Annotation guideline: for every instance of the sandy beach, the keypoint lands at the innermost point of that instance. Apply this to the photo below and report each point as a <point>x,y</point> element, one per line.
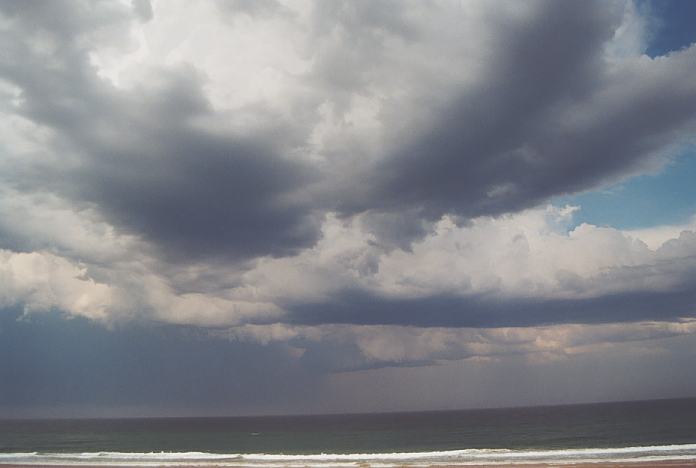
<point>622,464</point>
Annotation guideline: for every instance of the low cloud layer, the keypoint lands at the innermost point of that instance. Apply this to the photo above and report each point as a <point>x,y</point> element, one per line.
<point>366,183</point>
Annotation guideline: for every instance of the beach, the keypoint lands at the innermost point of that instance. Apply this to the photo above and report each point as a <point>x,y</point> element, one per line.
<point>622,464</point>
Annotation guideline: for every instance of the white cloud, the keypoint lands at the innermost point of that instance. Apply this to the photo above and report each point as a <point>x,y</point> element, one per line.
<point>631,37</point>
<point>656,236</point>
<point>41,281</point>
<point>43,221</point>
<point>534,254</point>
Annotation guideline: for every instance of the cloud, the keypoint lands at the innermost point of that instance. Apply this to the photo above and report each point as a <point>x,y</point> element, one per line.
<point>374,346</point>
<point>493,123</point>
<point>299,166</point>
<point>657,236</point>
<point>527,269</point>
<point>255,9</point>
<point>535,121</point>
<point>530,268</point>
<point>140,157</point>
<point>41,282</point>
<point>143,8</point>
<point>49,223</point>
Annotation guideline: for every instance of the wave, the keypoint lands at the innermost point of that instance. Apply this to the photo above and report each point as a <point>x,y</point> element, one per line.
<point>459,457</point>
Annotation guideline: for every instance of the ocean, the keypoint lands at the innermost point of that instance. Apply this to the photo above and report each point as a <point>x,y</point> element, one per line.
<point>619,432</point>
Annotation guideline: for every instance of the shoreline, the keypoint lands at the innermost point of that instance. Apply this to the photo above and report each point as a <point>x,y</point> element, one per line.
<point>599,464</point>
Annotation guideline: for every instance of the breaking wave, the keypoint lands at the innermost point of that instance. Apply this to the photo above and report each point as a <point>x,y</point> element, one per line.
<point>449,457</point>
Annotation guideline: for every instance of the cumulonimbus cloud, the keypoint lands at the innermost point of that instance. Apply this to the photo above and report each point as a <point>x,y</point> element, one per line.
<point>357,163</point>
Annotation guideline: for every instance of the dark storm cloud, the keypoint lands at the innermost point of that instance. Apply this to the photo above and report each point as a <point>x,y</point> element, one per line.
<point>139,157</point>
<point>549,117</point>
<point>545,111</point>
<point>215,196</point>
<point>361,308</point>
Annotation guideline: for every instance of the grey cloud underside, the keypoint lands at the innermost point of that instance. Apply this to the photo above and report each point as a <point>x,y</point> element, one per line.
<point>548,117</point>
<point>506,143</point>
<point>213,197</point>
<point>361,308</point>
<point>139,158</point>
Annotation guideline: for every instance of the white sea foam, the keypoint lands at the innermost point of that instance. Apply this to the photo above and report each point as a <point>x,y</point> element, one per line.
<point>266,460</point>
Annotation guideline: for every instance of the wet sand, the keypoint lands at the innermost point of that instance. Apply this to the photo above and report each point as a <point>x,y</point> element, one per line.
<point>622,464</point>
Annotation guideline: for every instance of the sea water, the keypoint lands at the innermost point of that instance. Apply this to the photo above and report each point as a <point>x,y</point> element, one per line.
<point>629,431</point>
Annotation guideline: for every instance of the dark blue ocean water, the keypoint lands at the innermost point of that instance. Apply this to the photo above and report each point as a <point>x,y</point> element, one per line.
<point>650,430</point>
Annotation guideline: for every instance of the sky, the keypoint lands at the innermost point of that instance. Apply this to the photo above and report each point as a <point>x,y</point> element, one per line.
<point>280,207</point>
